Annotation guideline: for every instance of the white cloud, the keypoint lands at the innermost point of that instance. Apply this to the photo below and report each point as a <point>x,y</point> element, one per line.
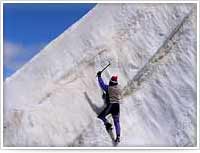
<point>16,55</point>
<point>11,52</point>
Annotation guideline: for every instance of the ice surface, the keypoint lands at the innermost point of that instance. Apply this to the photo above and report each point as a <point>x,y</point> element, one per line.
<point>54,98</point>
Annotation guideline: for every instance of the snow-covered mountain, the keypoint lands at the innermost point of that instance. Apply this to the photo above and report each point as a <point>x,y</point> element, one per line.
<point>54,99</point>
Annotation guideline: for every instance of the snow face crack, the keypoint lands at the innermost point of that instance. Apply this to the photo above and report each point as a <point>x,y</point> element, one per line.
<point>150,67</point>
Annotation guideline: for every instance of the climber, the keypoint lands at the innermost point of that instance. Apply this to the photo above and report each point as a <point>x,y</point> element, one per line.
<point>114,93</point>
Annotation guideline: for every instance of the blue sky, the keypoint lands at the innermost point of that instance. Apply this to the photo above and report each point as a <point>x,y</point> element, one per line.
<point>30,27</point>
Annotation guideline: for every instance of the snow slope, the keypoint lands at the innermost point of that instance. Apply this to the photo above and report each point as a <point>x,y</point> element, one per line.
<point>53,100</point>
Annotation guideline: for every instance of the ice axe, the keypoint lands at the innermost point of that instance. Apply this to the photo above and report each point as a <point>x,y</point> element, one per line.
<point>105,67</point>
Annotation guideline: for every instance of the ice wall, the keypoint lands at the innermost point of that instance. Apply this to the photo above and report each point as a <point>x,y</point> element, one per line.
<point>54,98</point>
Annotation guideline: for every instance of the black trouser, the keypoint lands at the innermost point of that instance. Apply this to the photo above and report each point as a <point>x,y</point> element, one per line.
<point>114,109</point>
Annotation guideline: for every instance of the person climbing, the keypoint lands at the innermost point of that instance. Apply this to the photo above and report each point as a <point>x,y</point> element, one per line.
<point>113,94</point>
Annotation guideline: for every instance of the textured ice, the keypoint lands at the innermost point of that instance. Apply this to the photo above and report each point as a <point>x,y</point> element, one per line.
<point>54,98</point>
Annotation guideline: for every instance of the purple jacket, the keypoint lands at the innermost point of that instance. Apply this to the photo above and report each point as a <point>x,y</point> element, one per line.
<point>102,84</point>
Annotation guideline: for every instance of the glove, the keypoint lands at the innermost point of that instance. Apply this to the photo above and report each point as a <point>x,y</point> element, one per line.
<point>99,74</point>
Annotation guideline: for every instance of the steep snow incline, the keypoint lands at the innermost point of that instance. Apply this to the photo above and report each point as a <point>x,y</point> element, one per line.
<point>53,99</point>
<point>160,104</point>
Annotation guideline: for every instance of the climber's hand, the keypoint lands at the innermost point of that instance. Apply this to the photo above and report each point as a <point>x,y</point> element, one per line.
<point>99,74</point>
